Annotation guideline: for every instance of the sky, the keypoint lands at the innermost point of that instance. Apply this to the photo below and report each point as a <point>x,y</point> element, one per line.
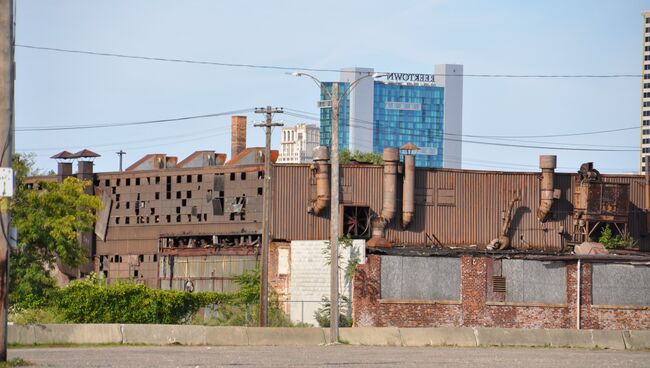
<point>487,37</point>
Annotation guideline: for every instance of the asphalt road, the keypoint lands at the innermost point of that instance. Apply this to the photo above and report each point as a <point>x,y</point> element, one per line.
<point>326,356</point>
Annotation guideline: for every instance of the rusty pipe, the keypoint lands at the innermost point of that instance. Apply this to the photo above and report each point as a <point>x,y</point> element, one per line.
<point>408,191</point>
<point>548,195</point>
<point>322,170</point>
<point>504,239</point>
<point>391,158</point>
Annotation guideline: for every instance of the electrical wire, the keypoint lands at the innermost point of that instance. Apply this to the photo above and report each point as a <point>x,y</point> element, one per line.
<point>295,68</point>
<point>133,123</point>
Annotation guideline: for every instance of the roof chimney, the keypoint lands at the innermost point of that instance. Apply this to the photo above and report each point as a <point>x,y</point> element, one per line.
<point>238,132</point>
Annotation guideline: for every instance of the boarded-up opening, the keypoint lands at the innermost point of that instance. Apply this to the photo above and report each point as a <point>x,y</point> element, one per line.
<point>420,278</point>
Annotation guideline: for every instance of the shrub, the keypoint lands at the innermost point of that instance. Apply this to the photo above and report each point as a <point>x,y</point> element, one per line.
<point>92,301</point>
<point>611,241</point>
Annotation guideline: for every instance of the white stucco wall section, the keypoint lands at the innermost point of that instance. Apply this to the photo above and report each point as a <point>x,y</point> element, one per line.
<point>310,276</point>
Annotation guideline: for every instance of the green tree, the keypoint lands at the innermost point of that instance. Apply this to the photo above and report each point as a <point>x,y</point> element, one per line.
<point>48,222</point>
<point>345,157</point>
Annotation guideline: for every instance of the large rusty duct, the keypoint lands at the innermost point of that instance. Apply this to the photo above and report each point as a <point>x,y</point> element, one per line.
<point>548,194</point>
<point>408,191</point>
<point>321,170</point>
<point>389,197</point>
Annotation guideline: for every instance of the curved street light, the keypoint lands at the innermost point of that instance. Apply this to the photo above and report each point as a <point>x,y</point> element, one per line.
<point>334,205</point>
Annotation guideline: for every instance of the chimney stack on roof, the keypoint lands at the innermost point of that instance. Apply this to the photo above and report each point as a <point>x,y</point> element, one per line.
<point>238,135</point>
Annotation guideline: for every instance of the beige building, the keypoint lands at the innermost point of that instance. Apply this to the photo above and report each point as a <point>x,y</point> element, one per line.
<point>645,91</point>
<point>298,143</point>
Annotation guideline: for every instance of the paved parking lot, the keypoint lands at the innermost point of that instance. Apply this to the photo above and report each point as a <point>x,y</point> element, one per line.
<point>325,356</point>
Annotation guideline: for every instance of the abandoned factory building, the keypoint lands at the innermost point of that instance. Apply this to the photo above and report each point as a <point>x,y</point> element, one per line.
<point>435,247</point>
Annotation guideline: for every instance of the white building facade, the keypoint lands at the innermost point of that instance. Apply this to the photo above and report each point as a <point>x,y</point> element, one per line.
<point>298,143</point>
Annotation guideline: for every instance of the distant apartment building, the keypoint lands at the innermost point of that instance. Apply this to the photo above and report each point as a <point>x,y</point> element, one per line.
<point>645,92</point>
<point>298,143</point>
<point>423,109</point>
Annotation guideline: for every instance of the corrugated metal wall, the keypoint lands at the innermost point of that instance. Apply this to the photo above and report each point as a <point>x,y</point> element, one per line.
<point>207,273</point>
<point>458,207</point>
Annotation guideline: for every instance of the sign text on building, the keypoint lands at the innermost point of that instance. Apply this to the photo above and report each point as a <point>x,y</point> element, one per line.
<point>407,77</point>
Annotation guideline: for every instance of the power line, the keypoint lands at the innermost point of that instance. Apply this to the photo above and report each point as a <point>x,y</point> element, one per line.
<point>505,144</point>
<point>494,137</point>
<point>292,68</point>
<point>111,125</point>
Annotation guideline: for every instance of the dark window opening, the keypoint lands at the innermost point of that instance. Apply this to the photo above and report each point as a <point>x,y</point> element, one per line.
<point>107,182</point>
<point>137,181</point>
<point>128,205</point>
<point>135,273</point>
<point>117,197</point>
<point>205,217</point>
<point>260,191</point>
<point>117,220</point>
<point>184,202</point>
<point>141,258</point>
<point>156,219</point>
<point>157,195</point>
<point>169,218</point>
<point>155,258</point>
<point>199,178</point>
<point>178,210</point>
<point>157,180</point>
<point>105,274</point>
<point>188,194</point>
<point>117,205</point>
<point>243,176</point>
<point>117,182</point>
<point>128,182</point>
<point>232,217</point>
<point>189,218</point>
<point>178,218</point>
<point>232,176</point>
<point>198,217</point>
<point>147,219</point>
<point>178,179</point>
<point>178,195</point>
<point>127,220</point>
<point>356,222</point>
<point>260,174</point>
<point>189,178</point>
<point>152,211</point>
<point>113,190</point>
<point>96,182</point>
<point>169,195</point>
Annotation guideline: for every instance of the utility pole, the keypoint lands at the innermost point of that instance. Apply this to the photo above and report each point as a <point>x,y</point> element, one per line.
<point>266,215</point>
<point>7,77</point>
<point>121,153</point>
<point>334,218</point>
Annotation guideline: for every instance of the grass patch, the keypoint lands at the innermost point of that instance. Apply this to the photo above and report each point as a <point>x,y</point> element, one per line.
<point>15,362</point>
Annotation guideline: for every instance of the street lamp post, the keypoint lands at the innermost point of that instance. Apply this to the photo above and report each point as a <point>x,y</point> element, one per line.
<point>335,100</point>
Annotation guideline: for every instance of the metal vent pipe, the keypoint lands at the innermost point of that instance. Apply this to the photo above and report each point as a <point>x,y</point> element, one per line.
<point>548,194</point>
<point>408,191</point>
<point>322,170</point>
<point>391,159</point>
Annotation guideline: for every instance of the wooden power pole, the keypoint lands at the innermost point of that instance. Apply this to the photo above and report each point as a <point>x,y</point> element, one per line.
<point>266,215</point>
<point>121,153</point>
<point>7,144</point>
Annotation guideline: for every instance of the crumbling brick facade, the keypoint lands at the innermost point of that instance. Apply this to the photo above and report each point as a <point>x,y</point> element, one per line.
<point>475,309</point>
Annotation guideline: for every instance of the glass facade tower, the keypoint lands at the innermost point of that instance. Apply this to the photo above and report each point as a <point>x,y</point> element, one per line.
<point>400,113</point>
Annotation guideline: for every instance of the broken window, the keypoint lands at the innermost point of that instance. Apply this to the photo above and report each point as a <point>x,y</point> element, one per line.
<point>117,220</point>
<point>126,220</point>
<point>157,179</point>
<point>157,195</point>
<point>356,220</point>
<point>168,218</point>
<point>117,182</point>
<point>156,219</point>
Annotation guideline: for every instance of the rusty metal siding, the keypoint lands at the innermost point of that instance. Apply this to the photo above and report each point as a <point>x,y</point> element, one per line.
<point>459,207</point>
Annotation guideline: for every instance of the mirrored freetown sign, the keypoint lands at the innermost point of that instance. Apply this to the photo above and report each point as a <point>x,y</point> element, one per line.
<point>408,77</point>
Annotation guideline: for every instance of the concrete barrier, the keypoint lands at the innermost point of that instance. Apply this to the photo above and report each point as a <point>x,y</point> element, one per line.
<point>164,334</point>
<point>564,338</point>
<point>608,339</point>
<point>287,336</point>
<point>377,336</point>
<point>636,340</point>
<point>226,336</point>
<point>438,336</point>
<point>511,337</point>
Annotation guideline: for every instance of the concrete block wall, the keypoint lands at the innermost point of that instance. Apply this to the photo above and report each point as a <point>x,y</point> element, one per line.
<point>476,310</point>
<point>310,276</point>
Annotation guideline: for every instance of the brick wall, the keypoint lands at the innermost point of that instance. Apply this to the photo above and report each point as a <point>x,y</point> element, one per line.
<point>474,309</point>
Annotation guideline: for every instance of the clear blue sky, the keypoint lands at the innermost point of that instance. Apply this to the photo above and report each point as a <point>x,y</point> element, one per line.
<point>515,37</point>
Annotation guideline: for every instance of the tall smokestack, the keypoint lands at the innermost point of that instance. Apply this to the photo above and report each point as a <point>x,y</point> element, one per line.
<point>238,132</point>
